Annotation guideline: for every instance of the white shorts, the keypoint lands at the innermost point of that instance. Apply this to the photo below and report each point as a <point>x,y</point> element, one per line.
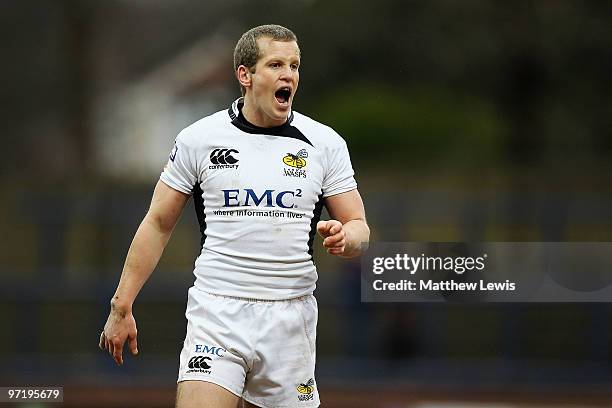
<point>260,350</point>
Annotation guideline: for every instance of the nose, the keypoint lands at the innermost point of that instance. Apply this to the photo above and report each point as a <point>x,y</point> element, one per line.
<point>287,73</point>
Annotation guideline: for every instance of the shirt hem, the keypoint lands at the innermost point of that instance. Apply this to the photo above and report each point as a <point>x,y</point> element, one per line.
<point>339,191</point>
<point>173,186</point>
<point>254,297</point>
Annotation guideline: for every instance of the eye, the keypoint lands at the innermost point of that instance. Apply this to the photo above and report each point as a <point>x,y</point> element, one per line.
<point>274,64</point>
<point>294,67</point>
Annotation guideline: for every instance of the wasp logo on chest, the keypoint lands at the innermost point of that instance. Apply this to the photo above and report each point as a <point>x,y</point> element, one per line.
<point>296,162</point>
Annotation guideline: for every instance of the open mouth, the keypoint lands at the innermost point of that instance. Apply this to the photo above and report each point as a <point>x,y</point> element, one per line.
<point>282,95</point>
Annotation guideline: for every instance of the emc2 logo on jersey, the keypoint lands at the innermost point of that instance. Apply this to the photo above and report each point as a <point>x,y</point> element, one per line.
<point>270,198</point>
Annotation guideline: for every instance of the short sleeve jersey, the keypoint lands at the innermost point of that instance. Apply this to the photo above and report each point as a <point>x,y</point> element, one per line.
<point>258,195</point>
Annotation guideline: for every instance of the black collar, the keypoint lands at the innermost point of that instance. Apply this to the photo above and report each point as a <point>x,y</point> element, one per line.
<point>284,130</point>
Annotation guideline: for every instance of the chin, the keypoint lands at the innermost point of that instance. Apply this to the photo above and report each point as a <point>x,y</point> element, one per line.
<point>280,113</point>
<point>283,111</point>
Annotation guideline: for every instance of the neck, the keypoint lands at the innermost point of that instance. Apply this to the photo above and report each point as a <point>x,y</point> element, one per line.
<point>256,117</point>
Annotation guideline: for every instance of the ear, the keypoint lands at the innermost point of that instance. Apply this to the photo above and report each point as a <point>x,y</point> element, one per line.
<point>244,76</point>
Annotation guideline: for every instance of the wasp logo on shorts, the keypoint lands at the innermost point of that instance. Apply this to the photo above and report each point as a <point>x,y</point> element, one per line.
<point>199,364</point>
<point>224,158</point>
<point>306,390</point>
<point>296,162</point>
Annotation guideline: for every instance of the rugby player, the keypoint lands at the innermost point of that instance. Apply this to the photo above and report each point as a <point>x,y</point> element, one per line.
<point>259,174</point>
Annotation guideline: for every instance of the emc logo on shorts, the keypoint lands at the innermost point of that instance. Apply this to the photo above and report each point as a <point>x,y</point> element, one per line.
<point>217,351</point>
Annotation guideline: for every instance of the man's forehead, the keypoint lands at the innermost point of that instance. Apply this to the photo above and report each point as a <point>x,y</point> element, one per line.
<point>268,46</point>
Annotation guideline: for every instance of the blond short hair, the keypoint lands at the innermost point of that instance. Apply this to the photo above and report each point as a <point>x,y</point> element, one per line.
<point>247,52</point>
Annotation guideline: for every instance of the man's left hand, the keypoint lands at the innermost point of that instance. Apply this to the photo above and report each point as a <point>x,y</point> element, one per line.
<point>334,236</point>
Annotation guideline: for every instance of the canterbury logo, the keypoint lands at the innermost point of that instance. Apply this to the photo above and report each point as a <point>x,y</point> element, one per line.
<point>199,362</point>
<point>307,388</point>
<point>223,156</point>
<point>296,160</point>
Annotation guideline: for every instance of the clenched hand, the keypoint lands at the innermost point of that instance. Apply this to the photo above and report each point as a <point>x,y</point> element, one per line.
<point>334,234</point>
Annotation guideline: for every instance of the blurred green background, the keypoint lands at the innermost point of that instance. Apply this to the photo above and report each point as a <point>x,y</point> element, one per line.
<point>466,120</point>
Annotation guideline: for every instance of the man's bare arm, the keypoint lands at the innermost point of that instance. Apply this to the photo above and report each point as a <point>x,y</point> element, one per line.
<point>347,230</point>
<point>145,251</point>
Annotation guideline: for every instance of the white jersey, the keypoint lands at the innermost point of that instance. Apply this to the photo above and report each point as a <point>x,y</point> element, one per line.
<point>258,195</point>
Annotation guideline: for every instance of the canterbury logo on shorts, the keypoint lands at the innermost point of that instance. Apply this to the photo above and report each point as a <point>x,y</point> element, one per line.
<point>199,362</point>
